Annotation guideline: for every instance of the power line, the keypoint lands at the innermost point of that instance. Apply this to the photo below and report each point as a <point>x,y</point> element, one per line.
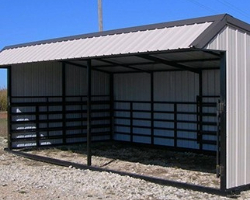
<point>242,12</point>
<point>203,6</point>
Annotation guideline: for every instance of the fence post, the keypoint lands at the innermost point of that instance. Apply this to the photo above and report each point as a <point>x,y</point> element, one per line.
<point>37,127</point>
<point>175,124</point>
<point>131,121</point>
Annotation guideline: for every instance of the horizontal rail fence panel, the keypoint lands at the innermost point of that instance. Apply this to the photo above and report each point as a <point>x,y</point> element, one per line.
<point>172,124</point>
<point>207,105</point>
<point>46,121</point>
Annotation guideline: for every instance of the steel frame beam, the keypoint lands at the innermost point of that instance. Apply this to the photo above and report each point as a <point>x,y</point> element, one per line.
<point>169,63</point>
<point>84,66</point>
<point>122,65</point>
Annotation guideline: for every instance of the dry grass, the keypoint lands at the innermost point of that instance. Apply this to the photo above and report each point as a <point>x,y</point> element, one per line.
<point>3,125</point>
<point>3,99</point>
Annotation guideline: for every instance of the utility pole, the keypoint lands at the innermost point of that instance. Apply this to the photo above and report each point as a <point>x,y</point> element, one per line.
<point>100,15</point>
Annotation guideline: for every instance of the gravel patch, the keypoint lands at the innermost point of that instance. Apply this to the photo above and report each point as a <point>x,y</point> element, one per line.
<point>21,178</point>
<point>161,163</point>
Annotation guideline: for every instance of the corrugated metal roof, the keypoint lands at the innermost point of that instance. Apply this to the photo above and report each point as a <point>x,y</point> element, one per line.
<point>181,34</point>
<point>168,38</point>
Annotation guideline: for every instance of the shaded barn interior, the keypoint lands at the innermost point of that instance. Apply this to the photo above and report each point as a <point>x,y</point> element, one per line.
<point>143,100</point>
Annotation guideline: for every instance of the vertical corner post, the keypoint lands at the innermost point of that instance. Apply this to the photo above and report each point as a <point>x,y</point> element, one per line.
<point>175,124</point>
<point>152,106</point>
<point>64,100</point>
<point>89,112</point>
<point>200,110</point>
<point>223,133</point>
<point>111,98</point>
<point>9,101</point>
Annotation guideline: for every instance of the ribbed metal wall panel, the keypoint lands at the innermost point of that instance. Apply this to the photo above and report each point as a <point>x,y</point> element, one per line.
<point>76,81</point>
<point>170,89</point>
<point>247,111</point>
<point>211,89</point>
<point>237,45</point>
<point>211,82</point>
<point>76,85</point>
<point>176,86</point>
<point>131,87</point>
<point>174,37</point>
<point>31,80</point>
<point>42,83</point>
<point>37,79</point>
<point>134,87</point>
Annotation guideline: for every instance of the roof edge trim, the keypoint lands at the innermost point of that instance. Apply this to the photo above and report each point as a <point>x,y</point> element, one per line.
<point>203,39</point>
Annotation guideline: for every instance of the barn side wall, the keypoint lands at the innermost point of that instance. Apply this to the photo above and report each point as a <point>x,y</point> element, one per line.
<point>41,115</point>
<point>175,99</point>
<point>237,45</point>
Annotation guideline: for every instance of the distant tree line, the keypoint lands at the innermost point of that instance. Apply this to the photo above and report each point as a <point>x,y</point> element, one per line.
<point>3,99</point>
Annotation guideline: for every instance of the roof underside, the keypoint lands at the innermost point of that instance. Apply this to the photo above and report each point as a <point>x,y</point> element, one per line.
<point>165,46</point>
<point>186,59</point>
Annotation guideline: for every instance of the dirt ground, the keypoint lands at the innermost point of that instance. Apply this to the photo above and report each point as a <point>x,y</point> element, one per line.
<point>156,162</point>
<point>3,115</point>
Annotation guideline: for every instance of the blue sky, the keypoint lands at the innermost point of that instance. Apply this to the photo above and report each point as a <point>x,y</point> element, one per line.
<point>31,20</point>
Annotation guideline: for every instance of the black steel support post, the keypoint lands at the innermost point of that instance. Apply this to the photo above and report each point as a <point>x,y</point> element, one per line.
<point>89,113</point>
<point>37,127</point>
<point>131,121</point>
<point>9,94</point>
<point>64,101</point>
<point>152,106</point>
<point>200,111</point>
<point>218,140</point>
<point>198,115</point>
<point>223,122</point>
<point>111,99</point>
<point>175,124</point>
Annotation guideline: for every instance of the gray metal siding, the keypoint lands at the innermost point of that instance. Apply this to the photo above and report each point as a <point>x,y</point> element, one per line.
<point>237,45</point>
<point>42,83</point>
<point>131,87</point>
<point>76,86</point>
<point>177,87</point>
<point>134,87</point>
<point>169,87</point>
<point>210,87</point>
<point>76,81</point>
<point>37,79</point>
